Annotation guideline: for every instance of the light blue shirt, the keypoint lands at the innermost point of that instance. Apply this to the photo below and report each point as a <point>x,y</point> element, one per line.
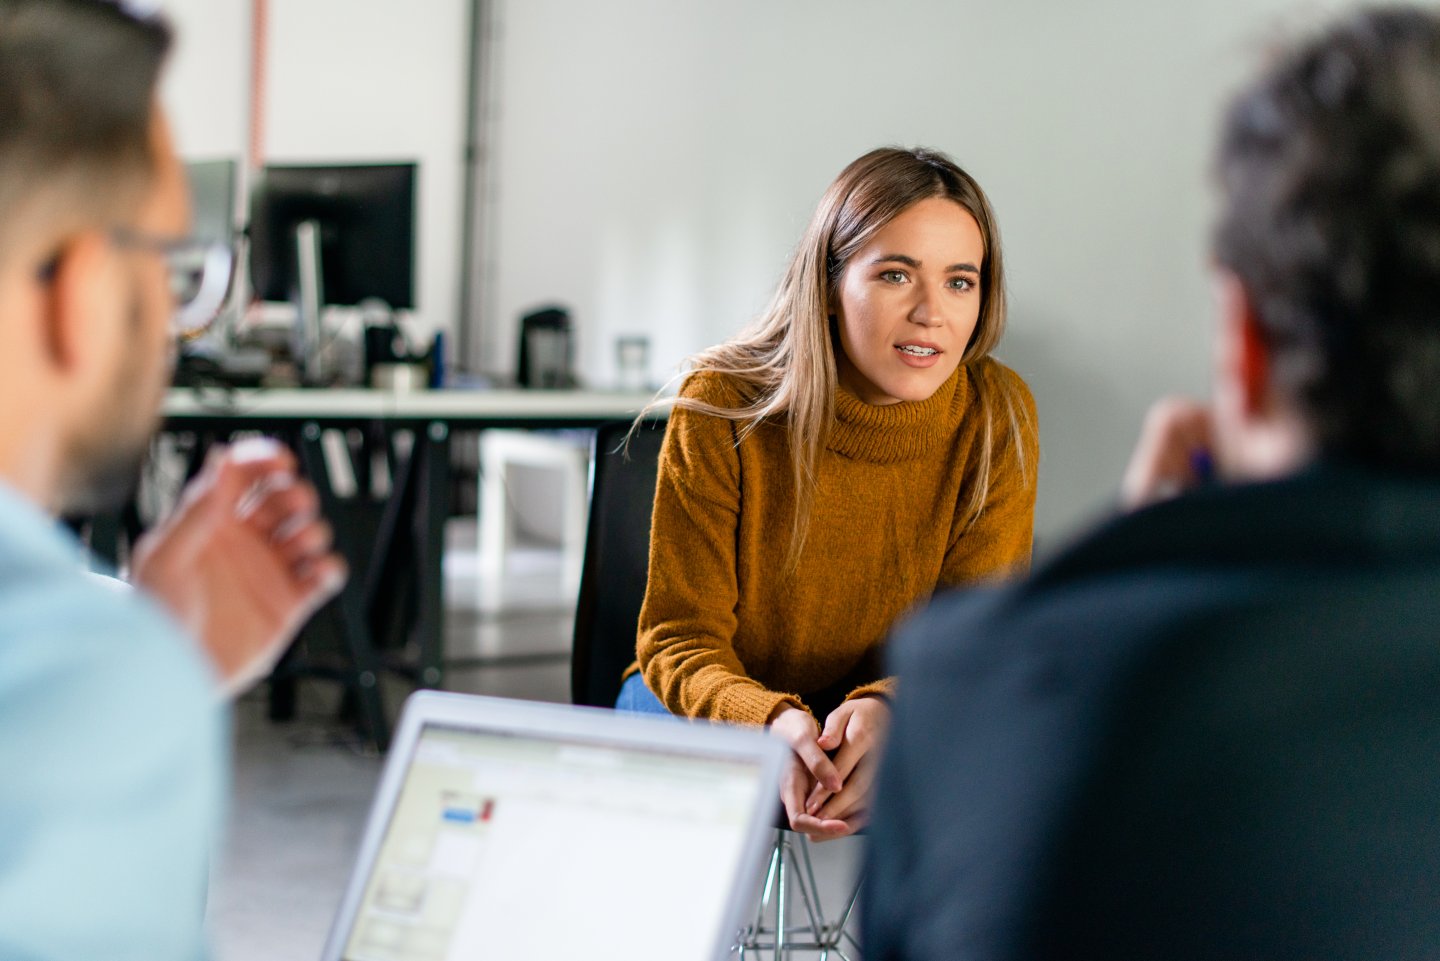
<point>113,753</point>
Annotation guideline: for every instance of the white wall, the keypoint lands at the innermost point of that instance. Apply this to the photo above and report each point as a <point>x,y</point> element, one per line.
<point>207,87</point>
<point>657,161</point>
<point>347,80</point>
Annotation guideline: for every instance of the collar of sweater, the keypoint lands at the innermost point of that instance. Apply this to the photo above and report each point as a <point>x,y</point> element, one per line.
<point>897,432</point>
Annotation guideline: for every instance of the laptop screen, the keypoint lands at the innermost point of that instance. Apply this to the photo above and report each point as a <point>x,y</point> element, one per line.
<point>518,846</point>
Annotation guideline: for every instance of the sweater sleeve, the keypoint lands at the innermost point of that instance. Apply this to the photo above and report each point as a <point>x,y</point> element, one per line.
<point>998,544</point>
<point>687,623</point>
<point>883,688</point>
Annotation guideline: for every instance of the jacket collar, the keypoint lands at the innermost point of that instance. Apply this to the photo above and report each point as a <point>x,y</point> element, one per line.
<point>1329,515</point>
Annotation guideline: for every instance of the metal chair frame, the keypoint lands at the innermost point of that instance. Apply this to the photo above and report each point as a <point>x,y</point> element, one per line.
<point>790,866</point>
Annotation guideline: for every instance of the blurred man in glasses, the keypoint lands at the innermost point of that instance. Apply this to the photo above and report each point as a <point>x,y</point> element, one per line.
<point>112,735</point>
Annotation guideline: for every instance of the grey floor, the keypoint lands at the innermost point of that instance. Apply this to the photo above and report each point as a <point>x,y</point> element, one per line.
<point>302,789</point>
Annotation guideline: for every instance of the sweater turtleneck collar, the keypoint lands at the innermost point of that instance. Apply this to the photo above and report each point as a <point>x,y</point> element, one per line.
<point>899,432</point>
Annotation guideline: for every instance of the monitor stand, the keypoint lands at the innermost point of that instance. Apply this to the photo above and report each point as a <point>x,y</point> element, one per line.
<point>309,334</point>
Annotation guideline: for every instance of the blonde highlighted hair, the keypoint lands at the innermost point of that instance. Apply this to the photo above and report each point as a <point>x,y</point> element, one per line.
<point>785,359</point>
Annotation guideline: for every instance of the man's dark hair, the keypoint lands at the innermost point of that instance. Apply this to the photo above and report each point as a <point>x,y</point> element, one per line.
<point>1330,170</point>
<point>77,88</point>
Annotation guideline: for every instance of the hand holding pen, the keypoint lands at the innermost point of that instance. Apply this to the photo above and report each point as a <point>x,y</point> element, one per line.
<point>1175,453</point>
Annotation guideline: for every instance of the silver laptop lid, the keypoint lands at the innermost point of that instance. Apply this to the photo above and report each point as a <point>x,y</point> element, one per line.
<point>516,830</point>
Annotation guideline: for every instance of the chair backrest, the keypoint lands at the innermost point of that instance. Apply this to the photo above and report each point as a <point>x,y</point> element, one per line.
<point>617,560</point>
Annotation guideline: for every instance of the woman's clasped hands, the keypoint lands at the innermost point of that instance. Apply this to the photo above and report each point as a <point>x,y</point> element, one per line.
<point>826,786</point>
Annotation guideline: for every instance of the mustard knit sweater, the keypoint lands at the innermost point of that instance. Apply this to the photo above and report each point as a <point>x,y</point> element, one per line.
<point>726,633</point>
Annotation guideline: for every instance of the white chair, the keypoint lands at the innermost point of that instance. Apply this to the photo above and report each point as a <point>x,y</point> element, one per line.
<point>502,503</point>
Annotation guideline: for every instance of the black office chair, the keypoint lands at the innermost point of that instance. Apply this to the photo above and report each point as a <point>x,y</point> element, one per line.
<point>617,560</point>
<point>612,588</point>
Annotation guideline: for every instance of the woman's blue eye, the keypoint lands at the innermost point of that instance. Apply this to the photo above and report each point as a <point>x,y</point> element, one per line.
<point>962,283</point>
<point>893,276</point>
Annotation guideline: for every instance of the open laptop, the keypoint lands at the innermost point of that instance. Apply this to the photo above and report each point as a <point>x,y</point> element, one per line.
<point>517,830</point>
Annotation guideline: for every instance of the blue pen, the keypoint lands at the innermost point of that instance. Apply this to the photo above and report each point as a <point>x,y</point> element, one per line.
<point>1202,465</point>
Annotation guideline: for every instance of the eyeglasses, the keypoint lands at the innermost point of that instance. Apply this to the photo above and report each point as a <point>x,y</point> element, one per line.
<point>200,272</point>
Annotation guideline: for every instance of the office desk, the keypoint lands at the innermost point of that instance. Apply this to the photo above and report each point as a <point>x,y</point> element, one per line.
<point>456,408</point>
<point>417,506</point>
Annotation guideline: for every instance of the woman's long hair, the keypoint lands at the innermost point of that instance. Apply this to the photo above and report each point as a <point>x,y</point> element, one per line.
<point>785,360</point>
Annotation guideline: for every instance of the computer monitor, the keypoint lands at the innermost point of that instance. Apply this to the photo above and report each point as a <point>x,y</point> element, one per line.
<point>363,221</point>
<point>212,198</point>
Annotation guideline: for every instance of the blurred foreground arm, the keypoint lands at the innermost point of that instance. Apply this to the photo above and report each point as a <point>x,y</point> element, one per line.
<point>243,561</point>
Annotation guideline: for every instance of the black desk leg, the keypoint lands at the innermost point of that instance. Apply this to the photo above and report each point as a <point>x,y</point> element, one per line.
<point>430,629</point>
<point>364,660</point>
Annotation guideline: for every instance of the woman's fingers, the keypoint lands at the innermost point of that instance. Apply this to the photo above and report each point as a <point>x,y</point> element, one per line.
<point>798,729</point>
<point>834,734</point>
<point>860,724</point>
<point>794,783</point>
<point>820,830</point>
<point>848,757</point>
<point>846,761</point>
<point>820,765</point>
<point>854,798</point>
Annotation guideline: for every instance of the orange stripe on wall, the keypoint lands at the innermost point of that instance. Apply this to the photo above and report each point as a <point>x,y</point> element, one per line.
<point>259,34</point>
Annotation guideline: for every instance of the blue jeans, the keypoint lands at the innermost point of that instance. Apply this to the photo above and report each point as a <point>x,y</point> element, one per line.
<point>636,697</point>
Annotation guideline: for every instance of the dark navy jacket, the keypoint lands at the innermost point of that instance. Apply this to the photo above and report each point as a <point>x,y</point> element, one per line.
<point>1209,730</point>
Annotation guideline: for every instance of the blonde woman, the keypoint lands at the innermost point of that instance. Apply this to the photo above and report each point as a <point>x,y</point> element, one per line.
<point>853,451</point>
